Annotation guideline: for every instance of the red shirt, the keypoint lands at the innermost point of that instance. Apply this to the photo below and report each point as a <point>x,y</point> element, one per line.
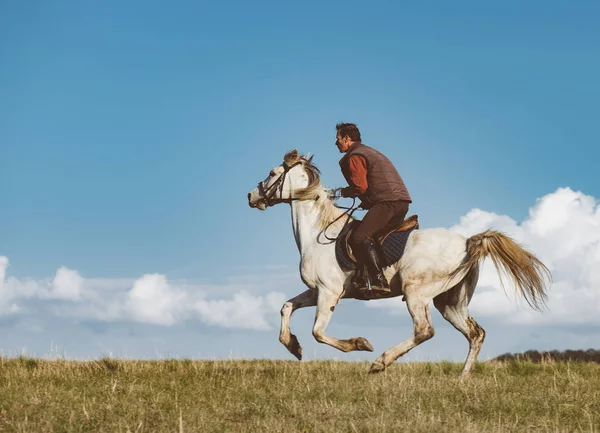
<point>358,170</point>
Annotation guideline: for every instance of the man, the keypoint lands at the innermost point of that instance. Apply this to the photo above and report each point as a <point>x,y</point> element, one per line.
<point>372,177</point>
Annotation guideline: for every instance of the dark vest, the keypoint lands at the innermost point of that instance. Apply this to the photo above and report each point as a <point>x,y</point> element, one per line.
<point>384,181</point>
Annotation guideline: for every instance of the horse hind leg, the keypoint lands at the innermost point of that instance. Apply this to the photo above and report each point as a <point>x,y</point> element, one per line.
<point>325,306</point>
<point>423,331</point>
<point>289,340</point>
<point>453,305</point>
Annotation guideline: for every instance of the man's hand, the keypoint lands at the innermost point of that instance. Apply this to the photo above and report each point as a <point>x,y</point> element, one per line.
<point>348,192</point>
<point>334,194</point>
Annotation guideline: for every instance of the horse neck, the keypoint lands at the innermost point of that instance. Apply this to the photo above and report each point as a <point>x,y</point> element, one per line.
<point>305,223</point>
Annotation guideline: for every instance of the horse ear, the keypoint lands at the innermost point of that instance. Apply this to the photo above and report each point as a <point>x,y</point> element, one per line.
<point>309,157</point>
<point>291,157</point>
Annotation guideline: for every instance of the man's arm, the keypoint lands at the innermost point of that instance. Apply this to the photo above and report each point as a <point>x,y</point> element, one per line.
<point>358,177</point>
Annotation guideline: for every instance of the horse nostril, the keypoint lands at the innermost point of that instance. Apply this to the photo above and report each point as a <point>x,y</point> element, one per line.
<point>248,196</point>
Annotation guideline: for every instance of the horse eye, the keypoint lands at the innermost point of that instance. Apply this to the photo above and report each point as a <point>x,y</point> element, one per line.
<point>272,173</point>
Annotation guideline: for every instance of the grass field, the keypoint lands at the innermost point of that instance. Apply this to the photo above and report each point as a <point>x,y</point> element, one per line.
<point>236,396</point>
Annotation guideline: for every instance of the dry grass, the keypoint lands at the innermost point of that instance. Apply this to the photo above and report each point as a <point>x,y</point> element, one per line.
<point>238,396</point>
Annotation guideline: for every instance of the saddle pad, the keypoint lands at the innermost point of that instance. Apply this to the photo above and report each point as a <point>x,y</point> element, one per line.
<point>390,252</point>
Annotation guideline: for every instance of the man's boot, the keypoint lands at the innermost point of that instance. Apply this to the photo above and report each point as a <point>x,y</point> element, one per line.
<point>378,281</point>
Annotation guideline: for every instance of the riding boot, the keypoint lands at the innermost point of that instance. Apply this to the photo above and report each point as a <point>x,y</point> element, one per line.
<point>359,279</point>
<point>375,272</point>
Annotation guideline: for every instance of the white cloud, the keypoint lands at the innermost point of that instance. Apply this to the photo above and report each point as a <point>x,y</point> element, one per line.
<point>153,300</point>
<point>67,284</point>
<point>3,266</point>
<point>243,311</point>
<point>12,289</point>
<point>150,299</point>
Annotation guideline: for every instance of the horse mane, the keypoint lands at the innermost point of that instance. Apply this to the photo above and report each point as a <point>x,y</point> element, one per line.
<point>315,190</point>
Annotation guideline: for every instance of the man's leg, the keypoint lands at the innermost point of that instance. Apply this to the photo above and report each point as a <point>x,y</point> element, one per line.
<point>363,241</point>
<point>399,210</point>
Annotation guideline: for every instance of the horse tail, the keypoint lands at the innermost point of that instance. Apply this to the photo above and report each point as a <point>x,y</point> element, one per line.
<point>525,269</point>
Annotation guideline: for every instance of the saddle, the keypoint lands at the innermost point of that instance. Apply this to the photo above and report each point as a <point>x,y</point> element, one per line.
<point>390,246</point>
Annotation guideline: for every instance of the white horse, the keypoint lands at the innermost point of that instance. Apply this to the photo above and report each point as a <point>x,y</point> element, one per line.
<point>437,264</point>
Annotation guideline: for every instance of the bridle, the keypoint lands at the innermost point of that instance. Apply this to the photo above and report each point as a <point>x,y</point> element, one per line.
<point>268,194</point>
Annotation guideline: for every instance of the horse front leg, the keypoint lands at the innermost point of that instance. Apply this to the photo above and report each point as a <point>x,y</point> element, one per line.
<point>325,306</point>
<point>289,340</point>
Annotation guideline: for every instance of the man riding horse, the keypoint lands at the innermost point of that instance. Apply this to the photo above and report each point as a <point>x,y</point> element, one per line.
<point>372,178</point>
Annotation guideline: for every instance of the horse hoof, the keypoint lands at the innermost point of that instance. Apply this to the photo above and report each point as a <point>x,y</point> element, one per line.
<point>363,344</point>
<point>295,347</point>
<point>377,367</point>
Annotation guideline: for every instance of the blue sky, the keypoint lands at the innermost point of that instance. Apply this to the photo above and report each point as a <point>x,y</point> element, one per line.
<point>131,133</point>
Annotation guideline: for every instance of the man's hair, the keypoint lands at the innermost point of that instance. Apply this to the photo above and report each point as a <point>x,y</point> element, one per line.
<point>349,129</point>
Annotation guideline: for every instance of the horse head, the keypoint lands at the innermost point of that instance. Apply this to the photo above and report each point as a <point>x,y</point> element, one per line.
<point>285,182</point>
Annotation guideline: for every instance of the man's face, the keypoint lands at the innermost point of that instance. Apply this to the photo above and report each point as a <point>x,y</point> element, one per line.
<point>342,143</point>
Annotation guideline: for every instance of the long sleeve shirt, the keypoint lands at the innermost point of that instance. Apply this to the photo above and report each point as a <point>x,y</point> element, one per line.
<point>358,177</point>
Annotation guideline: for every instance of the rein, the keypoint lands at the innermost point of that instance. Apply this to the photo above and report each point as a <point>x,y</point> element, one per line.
<point>349,211</point>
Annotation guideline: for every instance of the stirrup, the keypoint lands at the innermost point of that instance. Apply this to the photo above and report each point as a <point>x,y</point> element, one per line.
<point>378,287</point>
